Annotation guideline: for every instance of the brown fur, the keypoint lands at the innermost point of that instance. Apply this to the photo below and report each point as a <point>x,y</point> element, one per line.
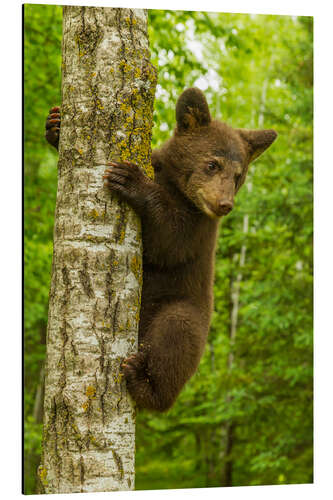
<point>198,172</point>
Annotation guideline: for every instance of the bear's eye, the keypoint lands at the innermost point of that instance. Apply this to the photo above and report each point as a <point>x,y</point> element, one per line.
<point>213,166</point>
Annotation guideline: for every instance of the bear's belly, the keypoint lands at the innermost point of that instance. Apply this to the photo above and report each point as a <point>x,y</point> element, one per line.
<point>190,283</point>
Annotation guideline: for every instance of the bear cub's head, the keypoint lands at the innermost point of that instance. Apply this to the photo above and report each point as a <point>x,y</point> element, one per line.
<point>206,159</point>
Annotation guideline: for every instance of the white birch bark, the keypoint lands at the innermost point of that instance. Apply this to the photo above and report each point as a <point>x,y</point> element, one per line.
<point>108,87</point>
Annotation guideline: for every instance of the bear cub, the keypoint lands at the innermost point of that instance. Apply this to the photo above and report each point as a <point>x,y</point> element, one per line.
<point>198,171</point>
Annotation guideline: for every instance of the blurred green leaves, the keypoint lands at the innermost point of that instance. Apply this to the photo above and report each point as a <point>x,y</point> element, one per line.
<point>42,60</point>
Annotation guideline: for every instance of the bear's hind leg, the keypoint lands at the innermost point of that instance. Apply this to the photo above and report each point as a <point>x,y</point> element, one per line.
<point>168,358</point>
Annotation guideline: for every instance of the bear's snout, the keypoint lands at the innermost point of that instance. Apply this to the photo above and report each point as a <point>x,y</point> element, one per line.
<point>224,207</point>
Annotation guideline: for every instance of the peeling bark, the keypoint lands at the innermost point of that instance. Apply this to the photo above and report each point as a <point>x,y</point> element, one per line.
<point>108,87</point>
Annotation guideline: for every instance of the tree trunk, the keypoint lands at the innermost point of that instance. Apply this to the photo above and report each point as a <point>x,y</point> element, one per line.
<point>108,87</point>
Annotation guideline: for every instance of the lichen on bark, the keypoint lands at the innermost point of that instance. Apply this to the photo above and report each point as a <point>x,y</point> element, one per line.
<point>108,87</point>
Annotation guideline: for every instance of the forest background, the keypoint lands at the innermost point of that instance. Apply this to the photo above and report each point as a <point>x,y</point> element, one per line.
<point>246,416</point>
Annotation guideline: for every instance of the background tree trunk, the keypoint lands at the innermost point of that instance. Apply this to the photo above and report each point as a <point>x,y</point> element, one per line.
<point>108,87</point>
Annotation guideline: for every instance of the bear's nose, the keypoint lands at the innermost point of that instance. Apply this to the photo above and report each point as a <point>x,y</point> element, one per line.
<point>225,206</point>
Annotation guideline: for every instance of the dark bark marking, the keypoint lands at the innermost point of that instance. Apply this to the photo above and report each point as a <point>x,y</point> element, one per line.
<point>110,130</point>
<point>88,38</point>
<point>52,438</point>
<point>94,316</point>
<point>75,354</point>
<point>62,378</point>
<point>119,463</point>
<point>120,226</point>
<point>131,28</point>
<point>108,284</point>
<point>65,420</point>
<point>72,471</point>
<point>105,209</point>
<point>82,471</point>
<point>86,281</point>
<point>101,342</point>
<point>120,397</point>
<point>118,24</point>
<point>115,317</point>
<point>63,330</point>
<point>67,283</point>
<point>133,126</point>
<point>106,386</point>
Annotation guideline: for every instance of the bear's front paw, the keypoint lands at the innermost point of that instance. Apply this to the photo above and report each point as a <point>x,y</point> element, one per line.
<point>127,180</point>
<point>52,127</point>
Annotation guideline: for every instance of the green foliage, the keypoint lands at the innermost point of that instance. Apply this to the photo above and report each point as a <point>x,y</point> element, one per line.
<point>256,72</point>
<point>32,450</point>
<point>42,60</point>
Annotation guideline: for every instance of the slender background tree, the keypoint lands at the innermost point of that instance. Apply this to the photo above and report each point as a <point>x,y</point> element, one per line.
<point>108,88</point>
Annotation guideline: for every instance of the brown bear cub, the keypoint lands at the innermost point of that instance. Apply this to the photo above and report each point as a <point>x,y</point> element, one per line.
<point>198,171</point>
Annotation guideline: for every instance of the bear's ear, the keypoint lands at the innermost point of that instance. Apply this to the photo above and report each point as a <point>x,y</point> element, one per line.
<point>192,110</point>
<point>257,141</point>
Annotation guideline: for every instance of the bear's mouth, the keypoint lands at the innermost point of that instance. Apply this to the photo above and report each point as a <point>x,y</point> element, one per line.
<point>207,207</point>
